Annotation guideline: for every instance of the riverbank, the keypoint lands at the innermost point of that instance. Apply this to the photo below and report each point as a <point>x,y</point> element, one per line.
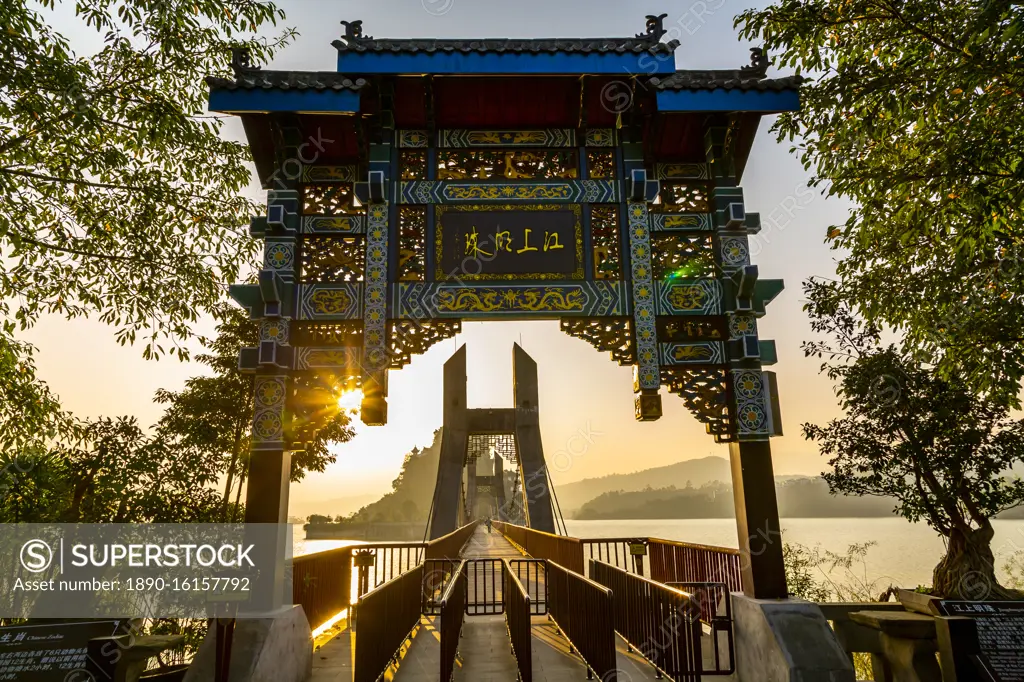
<point>366,532</point>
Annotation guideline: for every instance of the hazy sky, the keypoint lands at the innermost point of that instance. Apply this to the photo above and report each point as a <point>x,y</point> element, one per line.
<point>581,390</point>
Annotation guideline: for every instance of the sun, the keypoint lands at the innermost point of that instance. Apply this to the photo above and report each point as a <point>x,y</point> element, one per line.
<point>350,400</point>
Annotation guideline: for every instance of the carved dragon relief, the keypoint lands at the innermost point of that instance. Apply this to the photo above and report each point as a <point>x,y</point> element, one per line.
<point>655,27</point>
<point>759,63</point>
<point>354,31</point>
<point>241,61</point>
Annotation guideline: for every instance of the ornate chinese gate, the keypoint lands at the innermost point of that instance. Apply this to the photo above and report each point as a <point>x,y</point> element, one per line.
<point>428,182</point>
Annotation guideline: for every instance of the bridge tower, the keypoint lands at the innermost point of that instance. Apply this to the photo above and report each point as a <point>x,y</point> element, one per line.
<point>488,439</point>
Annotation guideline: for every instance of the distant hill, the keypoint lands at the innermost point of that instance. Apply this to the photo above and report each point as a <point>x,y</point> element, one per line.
<point>695,472</point>
<point>806,497</point>
<point>798,498</point>
<point>411,492</point>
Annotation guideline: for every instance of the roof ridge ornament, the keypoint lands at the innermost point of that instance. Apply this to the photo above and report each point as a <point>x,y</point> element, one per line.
<point>655,27</point>
<point>354,31</point>
<point>758,63</point>
<point>241,61</point>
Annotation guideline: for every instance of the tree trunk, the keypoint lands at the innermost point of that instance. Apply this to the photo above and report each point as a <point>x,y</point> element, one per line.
<point>238,495</point>
<point>968,569</point>
<point>231,473</point>
<point>74,512</point>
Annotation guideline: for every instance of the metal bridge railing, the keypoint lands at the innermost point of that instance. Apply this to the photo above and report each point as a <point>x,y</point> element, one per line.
<point>660,622</point>
<point>517,618</point>
<point>385,616</point>
<point>322,584</point>
<point>532,573</point>
<point>438,575</point>
<point>326,583</point>
<point>715,605</point>
<point>668,560</point>
<point>484,580</point>
<point>384,619</point>
<point>686,562</point>
<point>485,584</point>
<point>583,610</point>
<point>561,549</point>
<point>619,552</point>
<point>382,562</point>
<point>452,610</point>
<point>450,546</point>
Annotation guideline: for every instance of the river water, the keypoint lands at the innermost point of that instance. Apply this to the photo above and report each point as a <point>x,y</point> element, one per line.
<point>904,553</point>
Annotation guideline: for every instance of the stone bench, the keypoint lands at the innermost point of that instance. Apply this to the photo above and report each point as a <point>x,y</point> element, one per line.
<point>124,658</point>
<point>908,645</point>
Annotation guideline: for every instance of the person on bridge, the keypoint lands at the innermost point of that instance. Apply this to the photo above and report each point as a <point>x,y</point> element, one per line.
<point>488,525</point>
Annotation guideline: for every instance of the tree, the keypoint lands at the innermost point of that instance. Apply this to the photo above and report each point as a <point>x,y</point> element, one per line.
<point>208,423</point>
<point>32,486</point>
<point>914,114</point>
<point>112,472</point>
<point>800,563</point>
<point>29,413</point>
<point>118,196</point>
<point>209,420</point>
<point>941,451</point>
<point>409,511</point>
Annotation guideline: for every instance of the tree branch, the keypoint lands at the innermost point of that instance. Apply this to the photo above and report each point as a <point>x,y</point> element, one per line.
<point>91,254</point>
<point>935,40</point>
<point>71,181</point>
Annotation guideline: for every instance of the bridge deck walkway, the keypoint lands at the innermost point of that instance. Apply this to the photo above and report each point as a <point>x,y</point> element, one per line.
<point>484,651</point>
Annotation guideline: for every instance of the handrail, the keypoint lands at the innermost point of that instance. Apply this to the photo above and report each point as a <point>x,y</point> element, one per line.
<point>617,552</point>
<point>696,545</point>
<point>437,577</point>
<point>583,610</point>
<point>661,623</point>
<point>389,560</point>
<point>631,538</point>
<point>496,524</point>
<point>384,618</point>
<point>565,550</point>
<point>517,619</point>
<point>394,544</point>
<point>673,561</point>
<point>322,581</point>
<point>451,588</point>
<point>715,605</point>
<point>670,560</point>
<point>452,607</point>
<point>322,584</point>
<point>532,573</point>
<point>450,546</point>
